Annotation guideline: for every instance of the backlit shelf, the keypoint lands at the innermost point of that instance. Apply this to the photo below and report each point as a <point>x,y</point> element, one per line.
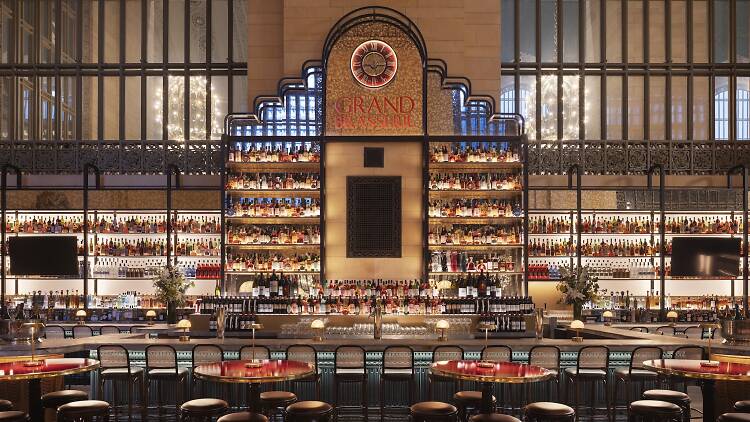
<point>309,167</point>
<point>274,220</point>
<point>275,193</point>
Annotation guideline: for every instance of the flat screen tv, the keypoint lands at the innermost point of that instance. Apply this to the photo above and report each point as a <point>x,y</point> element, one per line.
<point>43,255</point>
<point>710,257</point>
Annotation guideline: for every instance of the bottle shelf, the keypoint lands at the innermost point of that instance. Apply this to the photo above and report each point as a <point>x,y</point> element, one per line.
<point>475,247</point>
<point>277,193</point>
<point>248,272</point>
<point>295,246</point>
<point>475,272</point>
<point>484,166</point>
<point>475,194</point>
<point>283,167</point>
<point>273,220</point>
<point>475,220</point>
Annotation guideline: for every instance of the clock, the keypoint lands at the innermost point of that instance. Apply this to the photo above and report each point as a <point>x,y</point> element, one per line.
<point>374,63</point>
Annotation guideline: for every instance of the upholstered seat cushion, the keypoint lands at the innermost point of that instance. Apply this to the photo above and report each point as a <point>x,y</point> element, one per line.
<point>546,408</point>
<point>493,417</point>
<point>469,398</point>
<point>5,405</point>
<point>277,398</point>
<point>166,372</point>
<point>585,373</point>
<point>121,372</point>
<point>204,406</point>
<point>433,408</point>
<point>734,417</point>
<point>13,416</point>
<point>309,408</point>
<point>243,417</point>
<point>635,373</point>
<point>654,407</point>
<point>671,396</point>
<point>83,409</point>
<point>742,406</point>
<point>58,398</point>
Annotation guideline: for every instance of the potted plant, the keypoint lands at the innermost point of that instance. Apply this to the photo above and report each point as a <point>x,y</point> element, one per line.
<point>577,288</point>
<point>170,285</point>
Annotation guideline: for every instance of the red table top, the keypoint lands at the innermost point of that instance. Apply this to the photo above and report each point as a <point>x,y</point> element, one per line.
<point>693,369</point>
<point>237,371</point>
<point>13,371</point>
<point>501,372</point>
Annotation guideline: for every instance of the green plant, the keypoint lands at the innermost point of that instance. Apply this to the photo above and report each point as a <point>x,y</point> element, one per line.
<point>577,287</point>
<point>170,285</point>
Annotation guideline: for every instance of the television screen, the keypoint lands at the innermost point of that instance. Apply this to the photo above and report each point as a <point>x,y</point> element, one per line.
<point>714,257</point>
<point>43,255</point>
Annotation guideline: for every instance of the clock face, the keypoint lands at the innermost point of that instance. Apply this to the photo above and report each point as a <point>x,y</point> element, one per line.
<point>374,63</point>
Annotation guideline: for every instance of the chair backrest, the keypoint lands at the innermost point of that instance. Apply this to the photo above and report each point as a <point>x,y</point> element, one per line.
<point>398,359</point>
<point>640,329</point>
<point>545,356</point>
<point>261,352</point>
<point>665,330</point>
<point>688,352</point>
<point>136,329</point>
<point>81,331</point>
<point>694,332</point>
<point>161,357</point>
<point>644,353</point>
<point>303,353</point>
<point>108,329</point>
<point>497,353</point>
<point>447,353</point>
<point>349,359</point>
<point>54,331</point>
<point>593,357</point>
<point>207,353</point>
<point>113,356</point>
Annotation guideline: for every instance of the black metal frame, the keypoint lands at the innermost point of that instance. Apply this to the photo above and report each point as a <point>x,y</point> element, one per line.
<point>662,235</point>
<point>3,210</point>
<point>741,169</point>
<point>87,168</point>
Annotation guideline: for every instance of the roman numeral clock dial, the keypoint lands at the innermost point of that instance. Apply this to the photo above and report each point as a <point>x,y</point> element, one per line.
<point>374,63</point>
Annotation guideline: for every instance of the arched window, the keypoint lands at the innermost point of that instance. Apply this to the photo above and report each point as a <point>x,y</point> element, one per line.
<point>721,114</point>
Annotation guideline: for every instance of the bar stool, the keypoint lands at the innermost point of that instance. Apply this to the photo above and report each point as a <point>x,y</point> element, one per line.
<point>114,366</point>
<point>349,368</point>
<point>204,354</point>
<point>495,354</point>
<point>639,329</point>
<point>54,332</point>
<point>676,397</point>
<point>249,353</point>
<point>243,417</point>
<point>6,405</point>
<point>309,411</point>
<point>731,417</point>
<point>397,366</point>
<point>82,331</point>
<point>591,366</point>
<point>108,329</point>
<point>742,406</point>
<point>548,411</point>
<point>13,416</point>
<point>665,330</point>
<point>433,411</point>
<point>202,409</point>
<point>275,402</point>
<point>493,417</point>
<point>694,332</point>
<point>636,372</point>
<point>84,410</point>
<point>685,352</point>
<point>654,410</point>
<point>161,367</point>
<point>305,353</point>
<point>548,357</point>
<point>53,400</point>
<point>469,400</point>
<point>443,353</point>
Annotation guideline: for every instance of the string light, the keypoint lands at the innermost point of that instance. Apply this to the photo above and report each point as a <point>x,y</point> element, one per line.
<point>197,108</point>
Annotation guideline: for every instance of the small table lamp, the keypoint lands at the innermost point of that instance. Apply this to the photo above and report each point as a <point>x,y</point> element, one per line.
<point>577,325</point>
<point>318,325</point>
<point>81,315</point>
<point>710,326</point>
<point>672,317</point>
<point>607,317</point>
<point>253,362</point>
<point>33,328</point>
<point>184,325</point>
<point>150,315</point>
<point>442,325</point>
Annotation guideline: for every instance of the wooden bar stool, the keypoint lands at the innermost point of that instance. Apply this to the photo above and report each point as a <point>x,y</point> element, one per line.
<point>591,366</point>
<point>742,406</point>
<point>466,401</point>
<point>493,417</point>
<point>548,411</point>
<point>53,400</point>
<point>243,417</point>
<point>84,410</point>
<point>309,411</point>
<point>636,372</point>
<point>202,409</point>
<point>13,416</point>
<point>443,353</point>
<point>161,368</point>
<point>654,410</point>
<point>276,402</point>
<point>433,411</point>
<point>676,397</point>
<point>350,368</point>
<point>397,366</point>
<point>305,353</point>
<point>734,417</point>
<point>204,354</point>
<point>548,357</point>
<point>5,405</point>
<point>114,366</point>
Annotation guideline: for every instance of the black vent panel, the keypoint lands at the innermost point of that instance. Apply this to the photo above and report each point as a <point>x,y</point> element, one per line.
<point>374,157</point>
<point>373,216</point>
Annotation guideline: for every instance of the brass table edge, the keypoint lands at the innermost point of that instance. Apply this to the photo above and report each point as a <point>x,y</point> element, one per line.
<point>43,375</point>
<point>501,380</point>
<point>248,380</point>
<point>697,375</point>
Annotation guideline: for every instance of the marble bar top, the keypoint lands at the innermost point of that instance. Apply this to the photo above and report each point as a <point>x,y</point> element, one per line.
<point>624,341</point>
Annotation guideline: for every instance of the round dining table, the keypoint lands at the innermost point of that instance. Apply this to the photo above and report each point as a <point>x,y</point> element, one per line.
<point>693,369</point>
<point>46,368</point>
<point>487,373</point>
<point>254,373</point>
